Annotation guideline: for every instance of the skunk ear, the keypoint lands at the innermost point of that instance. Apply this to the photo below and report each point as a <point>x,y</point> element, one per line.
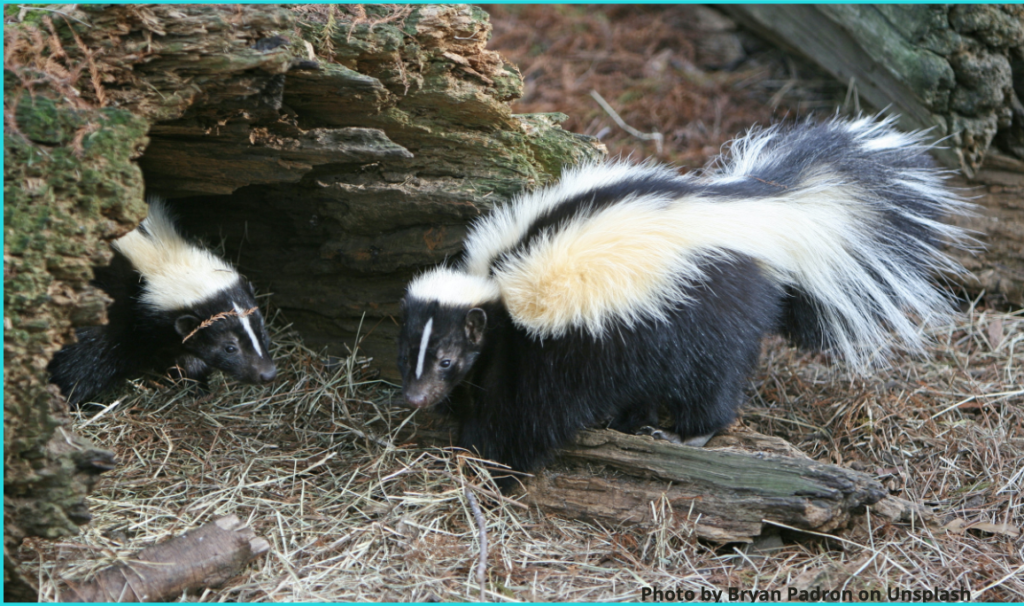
<point>184,325</point>
<point>476,322</point>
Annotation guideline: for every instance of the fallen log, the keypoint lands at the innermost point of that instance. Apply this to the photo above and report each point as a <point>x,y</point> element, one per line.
<point>956,69</point>
<point>727,491</point>
<point>940,66</point>
<point>205,557</point>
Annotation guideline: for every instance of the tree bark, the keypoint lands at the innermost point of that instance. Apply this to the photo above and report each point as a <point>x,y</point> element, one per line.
<point>82,85</point>
<point>208,556</point>
<point>956,69</point>
<point>727,491</point>
<point>940,66</point>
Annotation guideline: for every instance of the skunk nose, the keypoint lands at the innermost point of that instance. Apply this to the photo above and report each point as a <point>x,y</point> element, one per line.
<point>268,375</point>
<point>417,400</point>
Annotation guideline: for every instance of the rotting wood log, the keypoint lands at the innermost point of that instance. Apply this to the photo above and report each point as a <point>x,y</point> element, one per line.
<point>335,225</point>
<point>726,491</point>
<point>207,556</point>
<point>957,69</point>
<point>951,67</point>
<point>998,223</point>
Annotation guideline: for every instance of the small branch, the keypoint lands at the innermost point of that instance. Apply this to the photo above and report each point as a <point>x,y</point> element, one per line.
<point>224,314</point>
<point>481,523</point>
<point>100,414</point>
<point>655,136</point>
<point>205,557</point>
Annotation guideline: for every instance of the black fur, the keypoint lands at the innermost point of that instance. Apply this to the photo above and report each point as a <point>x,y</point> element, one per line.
<point>527,397</point>
<point>138,339</point>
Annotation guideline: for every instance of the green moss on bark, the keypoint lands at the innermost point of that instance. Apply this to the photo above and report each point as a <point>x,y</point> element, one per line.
<point>70,186</point>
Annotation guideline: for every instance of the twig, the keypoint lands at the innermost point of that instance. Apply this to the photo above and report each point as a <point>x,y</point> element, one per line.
<point>481,566</point>
<point>224,314</point>
<point>852,93</point>
<point>100,414</point>
<point>170,449</point>
<point>490,493</point>
<point>977,594</point>
<point>655,136</point>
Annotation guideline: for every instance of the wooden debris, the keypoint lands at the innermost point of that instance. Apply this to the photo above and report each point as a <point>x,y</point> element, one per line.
<point>205,557</point>
<point>726,491</point>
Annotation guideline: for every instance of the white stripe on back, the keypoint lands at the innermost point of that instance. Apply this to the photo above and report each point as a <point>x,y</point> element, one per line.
<point>248,329</point>
<point>423,347</point>
<point>178,274</point>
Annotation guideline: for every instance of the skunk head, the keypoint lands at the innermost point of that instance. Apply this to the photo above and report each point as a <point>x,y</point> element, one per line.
<point>443,333</point>
<point>227,332</point>
<point>213,308</point>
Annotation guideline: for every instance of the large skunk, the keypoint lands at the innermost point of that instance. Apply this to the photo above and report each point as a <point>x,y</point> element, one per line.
<point>176,306</point>
<point>625,288</point>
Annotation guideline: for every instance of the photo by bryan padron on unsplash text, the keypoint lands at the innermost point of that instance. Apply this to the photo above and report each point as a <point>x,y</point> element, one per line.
<point>793,594</point>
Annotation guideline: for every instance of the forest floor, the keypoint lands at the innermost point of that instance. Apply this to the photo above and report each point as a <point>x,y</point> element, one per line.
<point>312,462</point>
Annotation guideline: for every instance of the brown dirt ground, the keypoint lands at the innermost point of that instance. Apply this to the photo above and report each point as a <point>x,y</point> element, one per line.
<point>682,71</point>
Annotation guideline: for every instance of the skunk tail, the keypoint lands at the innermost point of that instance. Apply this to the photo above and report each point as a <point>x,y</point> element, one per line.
<point>865,239</point>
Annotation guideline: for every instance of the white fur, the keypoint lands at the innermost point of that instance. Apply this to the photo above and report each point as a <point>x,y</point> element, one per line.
<point>454,288</point>
<point>506,225</point>
<point>424,340</point>
<point>178,274</point>
<point>629,261</point>
<point>248,328</point>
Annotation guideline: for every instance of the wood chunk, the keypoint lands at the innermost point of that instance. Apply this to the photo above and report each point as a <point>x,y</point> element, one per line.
<point>726,491</point>
<point>208,556</point>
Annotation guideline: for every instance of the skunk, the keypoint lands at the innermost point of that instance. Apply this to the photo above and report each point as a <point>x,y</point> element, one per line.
<point>625,288</point>
<point>176,306</point>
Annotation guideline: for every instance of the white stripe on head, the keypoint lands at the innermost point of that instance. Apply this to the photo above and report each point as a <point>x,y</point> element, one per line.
<point>423,347</point>
<point>248,329</point>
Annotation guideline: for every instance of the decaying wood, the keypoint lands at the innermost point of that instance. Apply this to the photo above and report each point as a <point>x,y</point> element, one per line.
<point>957,70</point>
<point>998,265</point>
<point>726,491</point>
<point>205,557</point>
<point>945,67</point>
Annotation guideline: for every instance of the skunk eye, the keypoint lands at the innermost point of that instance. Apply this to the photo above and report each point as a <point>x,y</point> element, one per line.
<point>446,363</point>
<point>230,348</point>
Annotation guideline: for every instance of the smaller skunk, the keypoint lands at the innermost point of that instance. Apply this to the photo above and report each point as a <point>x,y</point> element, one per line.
<point>623,289</point>
<point>176,306</point>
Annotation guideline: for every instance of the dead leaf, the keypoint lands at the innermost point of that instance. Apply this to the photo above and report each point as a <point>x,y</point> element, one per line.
<point>1004,529</point>
<point>960,526</point>
<point>995,333</point>
<point>956,526</point>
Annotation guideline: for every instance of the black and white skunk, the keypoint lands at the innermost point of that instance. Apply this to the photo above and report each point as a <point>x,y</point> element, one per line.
<point>625,288</point>
<point>176,306</point>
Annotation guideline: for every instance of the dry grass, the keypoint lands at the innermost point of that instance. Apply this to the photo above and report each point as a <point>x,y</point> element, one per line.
<point>312,465</point>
